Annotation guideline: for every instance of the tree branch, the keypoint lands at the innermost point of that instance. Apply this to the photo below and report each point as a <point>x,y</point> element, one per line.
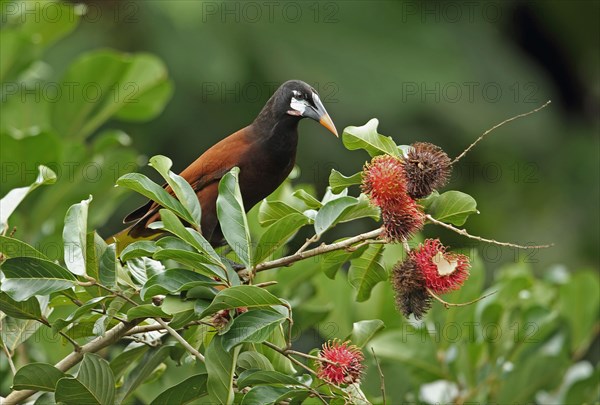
<point>460,304</point>
<point>287,260</point>
<point>381,376</point>
<point>495,127</point>
<point>180,339</point>
<point>492,241</point>
<point>112,336</point>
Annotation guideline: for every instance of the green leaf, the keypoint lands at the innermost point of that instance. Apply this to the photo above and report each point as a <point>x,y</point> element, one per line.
<point>146,366</point>
<point>252,327</point>
<point>28,276</point>
<point>126,358</point>
<point>182,189</point>
<point>174,281</point>
<point>10,247</point>
<point>220,364</point>
<point>192,237</point>
<point>109,266</point>
<point>60,323</point>
<point>367,138</point>
<point>580,292</point>
<point>273,395</point>
<point>278,234</point>
<point>307,198</point>
<point>28,309</point>
<point>184,392</point>
<point>528,377</point>
<point>250,360</point>
<point>95,247</point>
<point>180,319</point>
<point>339,182</point>
<point>232,216</point>
<point>13,198</point>
<point>366,271</point>
<point>146,187</point>
<point>331,213</point>
<point>241,296</point>
<point>585,390</point>
<point>452,207</point>
<point>332,261</point>
<point>17,52</point>
<point>110,83</point>
<point>197,261</point>
<point>272,211</point>
<point>47,21</point>
<point>37,377</point>
<point>75,236</point>
<point>278,361</point>
<point>139,248</point>
<point>362,209</point>
<point>363,331</point>
<point>146,311</point>
<point>94,384</point>
<point>253,377</point>
<point>15,331</point>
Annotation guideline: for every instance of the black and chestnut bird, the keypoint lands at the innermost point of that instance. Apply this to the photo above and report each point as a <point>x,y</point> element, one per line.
<point>265,152</point>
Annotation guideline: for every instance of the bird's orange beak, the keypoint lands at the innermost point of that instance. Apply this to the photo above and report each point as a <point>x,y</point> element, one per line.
<point>326,121</point>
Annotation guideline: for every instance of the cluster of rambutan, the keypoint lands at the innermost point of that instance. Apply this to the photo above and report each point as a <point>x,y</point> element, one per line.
<point>428,268</point>
<point>393,184</point>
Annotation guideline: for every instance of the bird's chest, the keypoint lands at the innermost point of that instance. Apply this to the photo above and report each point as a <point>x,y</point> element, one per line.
<point>264,172</point>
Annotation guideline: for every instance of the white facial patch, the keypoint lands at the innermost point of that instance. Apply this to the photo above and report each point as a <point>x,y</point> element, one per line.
<point>298,105</point>
<point>444,267</point>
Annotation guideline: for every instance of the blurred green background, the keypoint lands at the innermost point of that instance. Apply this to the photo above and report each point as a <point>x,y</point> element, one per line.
<point>441,72</point>
<point>429,71</point>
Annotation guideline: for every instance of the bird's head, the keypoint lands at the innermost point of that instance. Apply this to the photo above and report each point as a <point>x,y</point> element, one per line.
<point>296,98</point>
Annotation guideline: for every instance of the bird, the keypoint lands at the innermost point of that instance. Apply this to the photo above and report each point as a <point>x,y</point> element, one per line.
<point>264,151</point>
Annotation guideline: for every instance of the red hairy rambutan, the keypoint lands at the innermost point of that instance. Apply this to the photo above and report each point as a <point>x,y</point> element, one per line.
<point>343,363</point>
<point>385,183</point>
<point>442,271</point>
<point>383,180</point>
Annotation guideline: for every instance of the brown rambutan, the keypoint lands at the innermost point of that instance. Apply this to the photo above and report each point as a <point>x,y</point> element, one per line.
<point>409,287</point>
<point>402,219</point>
<point>427,167</point>
<point>442,271</point>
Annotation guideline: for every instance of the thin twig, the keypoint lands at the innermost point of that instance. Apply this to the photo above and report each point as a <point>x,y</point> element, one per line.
<point>99,311</point>
<point>266,284</point>
<point>308,241</point>
<point>76,345</point>
<point>284,352</point>
<point>297,362</point>
<point>381,376</point>
<point>287,260</point>
<point>461,304</point>
<point>180,339</point>
<point>492,241</point>
<point>364,243</point>
<point>10,361</point>
<point>495,127</point>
